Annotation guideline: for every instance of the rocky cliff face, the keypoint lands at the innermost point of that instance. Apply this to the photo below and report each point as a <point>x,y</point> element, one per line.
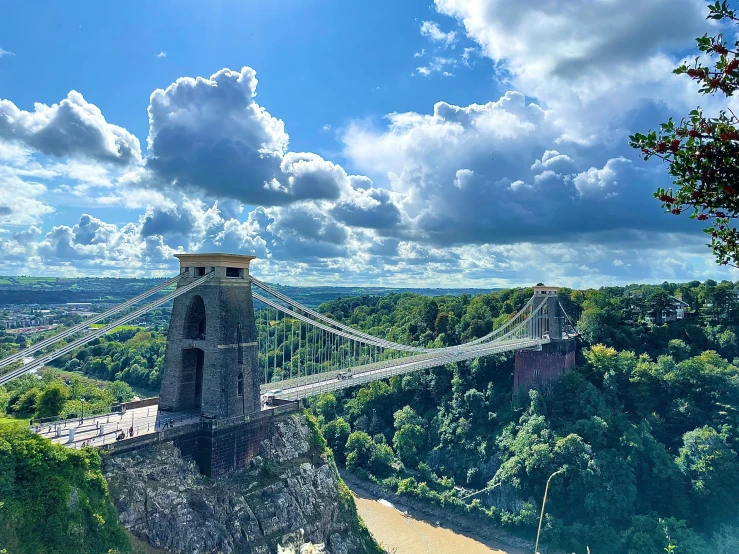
<point>291,488</point>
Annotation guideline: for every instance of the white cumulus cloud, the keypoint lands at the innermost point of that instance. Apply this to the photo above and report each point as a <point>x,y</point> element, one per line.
<point>432,31</point>
<point>72,128</point>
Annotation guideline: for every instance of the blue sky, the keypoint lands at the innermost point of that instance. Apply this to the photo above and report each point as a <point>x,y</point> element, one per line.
<point>466,142</point>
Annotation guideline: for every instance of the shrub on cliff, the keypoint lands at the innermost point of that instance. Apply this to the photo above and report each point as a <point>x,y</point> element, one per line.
<point>53,499</point>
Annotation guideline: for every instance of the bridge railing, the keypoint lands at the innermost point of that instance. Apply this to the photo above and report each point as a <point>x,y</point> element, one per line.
<point>263,415</point>
<point>109,433</point>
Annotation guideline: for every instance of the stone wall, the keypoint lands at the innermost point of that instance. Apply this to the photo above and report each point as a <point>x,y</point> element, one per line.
<point>232,448</point>
<point>289,486</point>
<point>535,369</point>
<point>218,446</point>
<point>122,407</point>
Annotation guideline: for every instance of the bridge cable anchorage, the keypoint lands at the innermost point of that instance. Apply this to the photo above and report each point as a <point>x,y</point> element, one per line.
<point>526,330</point>
<point>40,362</point>
<point>89,321</point>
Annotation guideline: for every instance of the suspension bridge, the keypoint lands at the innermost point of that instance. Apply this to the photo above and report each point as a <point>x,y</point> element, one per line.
<point>237,346</point>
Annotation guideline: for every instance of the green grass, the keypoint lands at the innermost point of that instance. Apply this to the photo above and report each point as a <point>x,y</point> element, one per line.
<point>17,421</point>
<point>119,328</point>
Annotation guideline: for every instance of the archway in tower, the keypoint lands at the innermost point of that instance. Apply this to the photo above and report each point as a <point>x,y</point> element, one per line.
<point>191,386</point>
<point>195,319</point>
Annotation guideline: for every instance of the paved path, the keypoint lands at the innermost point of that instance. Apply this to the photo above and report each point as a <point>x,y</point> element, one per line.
<point>103,429</point>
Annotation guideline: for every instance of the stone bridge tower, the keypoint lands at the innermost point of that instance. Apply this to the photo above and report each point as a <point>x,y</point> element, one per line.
<point>538,369</point>
<point>211,358</point>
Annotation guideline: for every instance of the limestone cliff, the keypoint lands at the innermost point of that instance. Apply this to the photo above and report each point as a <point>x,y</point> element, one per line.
<point>291,488</point>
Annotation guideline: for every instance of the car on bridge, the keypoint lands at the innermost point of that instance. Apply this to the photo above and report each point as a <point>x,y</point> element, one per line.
<point>344,375</point>
<point>270,396</point>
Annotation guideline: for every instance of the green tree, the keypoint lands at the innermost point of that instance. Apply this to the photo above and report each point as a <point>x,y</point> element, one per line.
<point>408,441</point>
<point>363,453</point>
<point>28,402</point>
<point>120,391</point>
<point>336,433</point>
<point>713,470</point>
<point>647,534</point>
<point>326,406</point>
<point>51,401</point>
<point>359,450</point>
<point>382,458</point>
<point>660,304</point>
<point>593,325</point>
<point>406,416</point>
<point>678,349</point>
<point>76,388</point>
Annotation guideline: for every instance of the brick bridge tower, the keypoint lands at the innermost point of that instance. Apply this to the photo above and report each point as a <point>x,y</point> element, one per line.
<point>538,369</point>
<point>211,358</point>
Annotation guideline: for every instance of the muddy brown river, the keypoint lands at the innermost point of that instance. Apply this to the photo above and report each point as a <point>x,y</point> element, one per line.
<point>414,536</point>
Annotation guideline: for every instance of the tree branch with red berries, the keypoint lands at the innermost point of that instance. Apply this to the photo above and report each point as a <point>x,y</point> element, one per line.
<point>703,152</point>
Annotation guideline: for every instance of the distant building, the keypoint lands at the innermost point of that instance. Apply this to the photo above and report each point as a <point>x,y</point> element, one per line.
<point>679,311</point>
<point>24,320</point>
<point>78,306</point>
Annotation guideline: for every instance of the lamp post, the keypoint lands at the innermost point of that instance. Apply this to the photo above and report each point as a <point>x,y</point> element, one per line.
<point>543,503</point>
<point>82,399</point>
